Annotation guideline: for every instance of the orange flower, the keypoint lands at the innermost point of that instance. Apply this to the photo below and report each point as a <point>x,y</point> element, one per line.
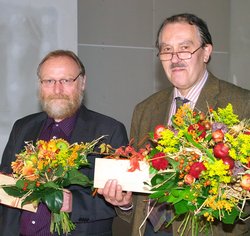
<point>29,173</point>
<point>17,166</point>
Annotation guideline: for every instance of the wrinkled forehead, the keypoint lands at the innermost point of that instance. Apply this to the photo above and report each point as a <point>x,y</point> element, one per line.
<point>179,33</point>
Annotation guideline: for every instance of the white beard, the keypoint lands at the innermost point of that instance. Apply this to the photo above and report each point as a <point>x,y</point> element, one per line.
<point>61,107</point>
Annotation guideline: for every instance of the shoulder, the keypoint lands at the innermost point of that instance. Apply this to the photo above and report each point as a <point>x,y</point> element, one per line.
<point>225,92</point>
<point>94,124</point>
<point>156,100</point>
<point>32,118</point>
<point>226,87</point>
<point>96,117</point>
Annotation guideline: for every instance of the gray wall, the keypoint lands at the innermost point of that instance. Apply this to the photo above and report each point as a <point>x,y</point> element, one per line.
<point>29,30</point>
<point>240,43</point>
<point>116,43</point>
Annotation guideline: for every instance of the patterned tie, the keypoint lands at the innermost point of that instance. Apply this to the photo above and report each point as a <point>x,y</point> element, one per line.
<point>159,215</point>
<point>180,102</point>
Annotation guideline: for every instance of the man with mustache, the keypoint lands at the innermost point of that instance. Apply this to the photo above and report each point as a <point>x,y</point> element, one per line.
<point>185,47</point>
<point>62,83</point>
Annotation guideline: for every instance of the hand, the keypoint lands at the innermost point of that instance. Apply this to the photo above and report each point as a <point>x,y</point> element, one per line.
<point>113,194</point>
<point>67,201</point>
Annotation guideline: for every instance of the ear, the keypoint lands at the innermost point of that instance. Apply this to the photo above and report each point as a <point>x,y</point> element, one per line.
<point>207,52</point>
<point>84,82</point>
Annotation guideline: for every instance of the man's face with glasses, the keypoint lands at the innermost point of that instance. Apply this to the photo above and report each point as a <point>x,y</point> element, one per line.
<point>61,87</point>
<point>182,55</point>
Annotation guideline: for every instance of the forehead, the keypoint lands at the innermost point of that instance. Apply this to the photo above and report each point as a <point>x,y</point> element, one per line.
<point>60,63</point>
<point>178,33</point>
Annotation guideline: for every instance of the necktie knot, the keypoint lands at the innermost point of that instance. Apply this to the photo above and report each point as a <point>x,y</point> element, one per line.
<point>180,102</point>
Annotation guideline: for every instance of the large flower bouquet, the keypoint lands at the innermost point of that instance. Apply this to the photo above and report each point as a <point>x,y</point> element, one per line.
<point>200,166</point>
<point>42,171</point>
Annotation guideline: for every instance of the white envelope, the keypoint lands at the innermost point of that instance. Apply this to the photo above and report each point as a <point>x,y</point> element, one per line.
<point>106,169</point>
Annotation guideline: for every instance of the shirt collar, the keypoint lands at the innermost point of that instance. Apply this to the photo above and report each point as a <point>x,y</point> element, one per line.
<point>194,92</point>
<point>65,125</point>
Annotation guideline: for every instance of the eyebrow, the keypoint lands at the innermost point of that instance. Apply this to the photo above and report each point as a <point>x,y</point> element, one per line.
<point>186,42</point>
<point>182,43</point>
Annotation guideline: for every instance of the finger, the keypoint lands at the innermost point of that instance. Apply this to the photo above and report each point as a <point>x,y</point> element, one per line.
<point>119,193</point>
<point>128,197</point>
<point>100,191</point>
<point>106,188</point>
<point>112,189</point>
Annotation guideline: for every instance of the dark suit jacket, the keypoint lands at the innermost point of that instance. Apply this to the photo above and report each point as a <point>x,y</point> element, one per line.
<point>155,110</point>
<point>89,125</point>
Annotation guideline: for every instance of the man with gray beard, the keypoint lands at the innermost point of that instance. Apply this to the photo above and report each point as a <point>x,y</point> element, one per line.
<point>62,81</point>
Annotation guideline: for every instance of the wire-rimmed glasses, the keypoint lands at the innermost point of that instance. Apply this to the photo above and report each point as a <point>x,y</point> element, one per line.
<point>64,82</point>
<point>182,55</point>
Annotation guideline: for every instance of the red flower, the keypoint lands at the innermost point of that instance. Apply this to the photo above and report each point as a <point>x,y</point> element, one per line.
<point>196,169</point>
<point>189,179</point>
<point>159,162</point>
<point>157,131</point>
<point>198,131</point>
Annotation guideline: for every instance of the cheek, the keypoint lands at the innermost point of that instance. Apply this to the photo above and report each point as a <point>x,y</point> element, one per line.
<point>45,93</point>
<point>166,68</point>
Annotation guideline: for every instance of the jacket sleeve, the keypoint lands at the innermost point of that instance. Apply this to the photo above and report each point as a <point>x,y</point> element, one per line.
<point>89,208</point>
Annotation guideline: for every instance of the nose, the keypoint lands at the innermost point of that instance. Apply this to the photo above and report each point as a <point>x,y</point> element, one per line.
<point>58,87</point>
<point>175,58</point>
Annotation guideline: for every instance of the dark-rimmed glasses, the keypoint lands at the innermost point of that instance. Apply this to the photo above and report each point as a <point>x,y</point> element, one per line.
<point>64,82</point>
<point>182,55</point>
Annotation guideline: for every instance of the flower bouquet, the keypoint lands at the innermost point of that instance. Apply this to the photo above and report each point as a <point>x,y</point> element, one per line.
<point>200,166</point>
<point>42,171</point>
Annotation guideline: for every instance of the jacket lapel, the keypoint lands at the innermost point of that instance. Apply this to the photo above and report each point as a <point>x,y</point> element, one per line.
<point>84,130</point>
<point>209,94</point>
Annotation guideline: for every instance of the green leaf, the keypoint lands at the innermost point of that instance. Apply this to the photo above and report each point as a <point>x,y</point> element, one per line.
<point>152,170</point>
<point>157,194</point>
<point>163,199</point>
<point>24,182</point>
<point>173,163</point>
<point>34,196</point>
<point>54,200</point>
<point>188,194</point>
<point>208,138</point>
<point>158,178</point>
<point>59,171</point>
<point>171,182</point>
<point>14,191</point>
<point>229,218</point>
<point>76,177</point>
<point>51,184</point>
<point>181,207</point>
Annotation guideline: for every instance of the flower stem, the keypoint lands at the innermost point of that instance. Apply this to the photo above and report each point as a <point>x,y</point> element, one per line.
<point>61,223</point>
<point>185,222</point>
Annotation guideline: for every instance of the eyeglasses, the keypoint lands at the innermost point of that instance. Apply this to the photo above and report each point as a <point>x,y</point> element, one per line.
<point>182,55</point>
<point>64,82</point>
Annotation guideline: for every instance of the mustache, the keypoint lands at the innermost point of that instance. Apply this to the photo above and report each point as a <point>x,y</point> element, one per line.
<point>58,96</point>
<point>179,65</point>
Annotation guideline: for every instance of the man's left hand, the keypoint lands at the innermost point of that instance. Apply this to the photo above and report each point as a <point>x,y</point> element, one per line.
<point>114,194</point>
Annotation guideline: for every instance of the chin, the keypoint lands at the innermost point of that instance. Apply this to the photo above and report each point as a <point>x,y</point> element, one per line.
<point>58,110</point>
